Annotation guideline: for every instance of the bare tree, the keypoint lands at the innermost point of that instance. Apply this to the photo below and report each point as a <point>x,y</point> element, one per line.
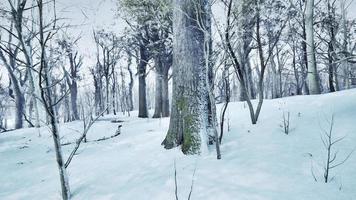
<point>46,94</point>
<point>72,74</point>
<point>329,142</point>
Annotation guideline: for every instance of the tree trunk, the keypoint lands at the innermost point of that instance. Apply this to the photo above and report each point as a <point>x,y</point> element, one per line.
<point>304,60</point>
<point>313,77</point>
<point>18,95</point>
<point>47,99</point>
<point>345,35</point>
<point>142,103</point>
<point>66,107</point>
<point>165,93</point>
<point>107,96</point>
<point>189,120</point>
<point>159,88</point>
<point>73,100</point>
<point>34,99</point>
<point>130,96</point>
<point>20,108</point>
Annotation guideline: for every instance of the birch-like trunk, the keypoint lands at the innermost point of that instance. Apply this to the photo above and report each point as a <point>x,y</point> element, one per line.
<point>313,77</point>
<point>344,63</point>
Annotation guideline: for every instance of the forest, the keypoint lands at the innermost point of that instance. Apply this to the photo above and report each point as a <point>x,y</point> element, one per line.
<point>178,99</point>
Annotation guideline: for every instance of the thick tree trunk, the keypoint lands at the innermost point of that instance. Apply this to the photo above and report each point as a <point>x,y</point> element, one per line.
<point>313,77</point>
<point>142,102</point>
<point>189,120</point>
<point>158,89</point>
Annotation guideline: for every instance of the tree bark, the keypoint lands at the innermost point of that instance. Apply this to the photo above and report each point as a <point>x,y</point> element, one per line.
<point>130,96</point>
<point>159,88</point>
<point>165,94</point>
<point>142,103</point>
<point>313,77</point>
<point>189,120</point>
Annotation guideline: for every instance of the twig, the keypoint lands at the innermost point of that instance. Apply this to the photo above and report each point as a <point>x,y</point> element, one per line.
<point>175,180</point>
<point>79,141</point>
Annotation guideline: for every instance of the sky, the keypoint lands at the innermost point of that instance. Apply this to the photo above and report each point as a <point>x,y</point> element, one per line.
<point>88,15</point>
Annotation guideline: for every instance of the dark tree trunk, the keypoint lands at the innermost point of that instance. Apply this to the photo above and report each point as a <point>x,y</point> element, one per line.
<point>165,94</point>
<point>142,104</point>
<point>331,48</point>
<point>305,60</point>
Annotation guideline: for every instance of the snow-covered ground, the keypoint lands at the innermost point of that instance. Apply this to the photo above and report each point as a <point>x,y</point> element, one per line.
<point>259,162</point>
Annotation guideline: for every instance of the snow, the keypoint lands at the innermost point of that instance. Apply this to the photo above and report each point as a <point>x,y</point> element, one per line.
<point>259,162</point>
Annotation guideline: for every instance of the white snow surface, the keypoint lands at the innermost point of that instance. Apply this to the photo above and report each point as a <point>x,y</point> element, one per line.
<point>259,162</point>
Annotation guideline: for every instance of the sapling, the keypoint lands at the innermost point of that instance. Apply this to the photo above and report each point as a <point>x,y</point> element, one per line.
<point>286,122</point>
<point>329,143</point>
<point>176,182</point>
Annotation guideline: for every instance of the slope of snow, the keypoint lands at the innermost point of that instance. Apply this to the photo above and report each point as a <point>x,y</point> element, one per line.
<point>259,162</point>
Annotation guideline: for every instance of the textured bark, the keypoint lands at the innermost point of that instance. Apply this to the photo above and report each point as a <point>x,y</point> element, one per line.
<point>313,77</point>
<point>158,88</point>
<point>189,116</point>
<point>142,102</point>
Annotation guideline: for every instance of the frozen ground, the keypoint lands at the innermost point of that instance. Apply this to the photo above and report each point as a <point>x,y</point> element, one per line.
<point>258,162</point>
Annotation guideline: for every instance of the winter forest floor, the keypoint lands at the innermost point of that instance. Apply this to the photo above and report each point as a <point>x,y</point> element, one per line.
<point>259,162</point>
